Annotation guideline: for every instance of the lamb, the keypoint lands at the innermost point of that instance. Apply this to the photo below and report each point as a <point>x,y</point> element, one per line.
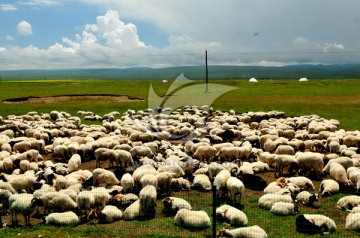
<point>147,197</point>
<point>307,198</point>
<point>314,223</point>
<point>104,177</point>
<point>232,215</point>
<point>243,232</point>
<point>173,204</point>
<point>127,182</point>
<point>202,181</point>
<point>283,161</point>
<point>192,219</point>
<point>302,182</point>
<point>348,202</point>
<point>62,219</point>
<point>235,187</point>
<point>21,203</point>
<point>284,208</point>
<point>267,201</point>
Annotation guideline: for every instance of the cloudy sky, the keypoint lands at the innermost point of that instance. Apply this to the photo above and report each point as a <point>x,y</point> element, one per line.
<point>46,34</point>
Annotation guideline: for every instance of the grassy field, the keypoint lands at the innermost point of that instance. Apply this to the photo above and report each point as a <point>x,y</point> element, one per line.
<point>331,99</point>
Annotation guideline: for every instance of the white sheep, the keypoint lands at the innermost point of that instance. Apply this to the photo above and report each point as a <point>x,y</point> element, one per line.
<point>101,196</point>
<point>85,200</point>
<point>310,161</point>
<point>104,177</point>
<point>174,169</point>
<point>284,150</point>
<point>132,212</point>
<point>213,169</point>
<point>147,197</point>
<point>243,232</point>
<point>302,182</point>
<point>112,213</point>
<point>235,187</point>
<point>205,152</point>
<point>348,202</point>
<point>284,161</point>
<point>260,167</point>
<point>346,162</point>
<point>202,181</point>
<point>56,201</point>
<point>192,219</point>
<point>149,179</point>
<point>127,182</point>
<point>103,154</point>
<point>232,215</point>
<point>314,223</point>
<point>338,173</point>
<point>221,179</point>
<point>283,208</point>
<point>123,200</point>
<point>180,183</point>
<point>123,158</point>
<point>74,163</point>
<point>142,170</point>
<point>329,187</point>
<point>138,152</point>
<point>353,222</point>
<point>307,198</point>
<point>21,203</point>
<point>267,201</point>
<point>173,204</point>
<point>62,219</point>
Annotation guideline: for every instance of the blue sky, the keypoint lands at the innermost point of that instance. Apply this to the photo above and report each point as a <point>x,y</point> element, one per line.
<point>46,34</point>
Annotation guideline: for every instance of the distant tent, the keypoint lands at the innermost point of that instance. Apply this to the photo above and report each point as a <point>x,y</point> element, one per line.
<point>165,81</point>
<point>303,80</point>
<point>253,80</point>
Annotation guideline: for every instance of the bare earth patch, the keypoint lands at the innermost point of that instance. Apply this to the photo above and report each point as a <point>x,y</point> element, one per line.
<point>51,99</point>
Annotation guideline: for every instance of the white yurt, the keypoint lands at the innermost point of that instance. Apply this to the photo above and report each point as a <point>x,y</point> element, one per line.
<point>303,80</point>
<point>253,80</point>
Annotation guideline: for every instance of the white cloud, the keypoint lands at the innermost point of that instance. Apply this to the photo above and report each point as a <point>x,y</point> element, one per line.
<point>7,7</point>
<point>24,28</point>
<point>2,49</point>
<point>331,47</point>
<point>9,38</point>
<point>41,3</point>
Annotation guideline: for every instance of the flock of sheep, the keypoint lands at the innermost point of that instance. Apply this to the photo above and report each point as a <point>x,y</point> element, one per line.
<point>150,153</point>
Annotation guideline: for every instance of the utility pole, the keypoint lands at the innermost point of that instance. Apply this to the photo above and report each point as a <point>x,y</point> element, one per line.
<point>207,73</point>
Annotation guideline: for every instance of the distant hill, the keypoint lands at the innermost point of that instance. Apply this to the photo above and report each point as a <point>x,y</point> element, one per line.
<point>193,72</point>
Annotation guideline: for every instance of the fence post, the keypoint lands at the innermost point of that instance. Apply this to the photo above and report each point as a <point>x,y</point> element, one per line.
<point>214,210</point>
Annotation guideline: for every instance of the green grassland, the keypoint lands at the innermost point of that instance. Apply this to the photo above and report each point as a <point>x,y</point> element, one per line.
<point>331,99</point>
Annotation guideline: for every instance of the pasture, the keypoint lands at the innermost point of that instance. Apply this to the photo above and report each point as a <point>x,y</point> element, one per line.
<point>330,99</point>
